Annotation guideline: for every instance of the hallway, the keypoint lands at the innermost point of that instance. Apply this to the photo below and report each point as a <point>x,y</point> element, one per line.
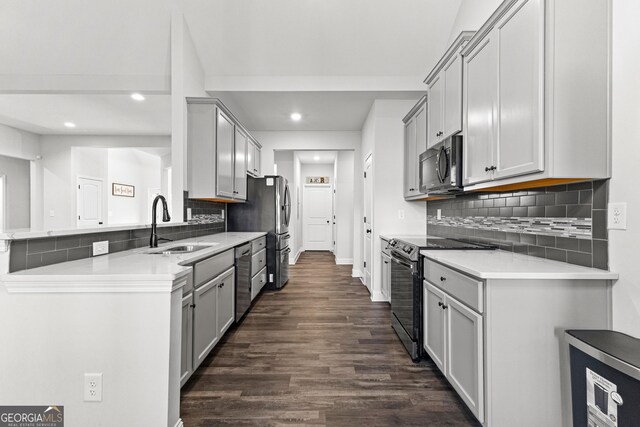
<point>318,353</point>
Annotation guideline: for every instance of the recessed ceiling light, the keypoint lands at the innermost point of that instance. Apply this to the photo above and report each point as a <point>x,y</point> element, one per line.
<point>316,158</point>
<point>70,124</point>
<point>296,116</point>
<point>137,97</point>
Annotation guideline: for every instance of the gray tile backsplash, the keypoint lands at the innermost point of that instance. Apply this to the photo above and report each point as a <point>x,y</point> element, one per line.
<point>566,223</point>
<point>33,253</point>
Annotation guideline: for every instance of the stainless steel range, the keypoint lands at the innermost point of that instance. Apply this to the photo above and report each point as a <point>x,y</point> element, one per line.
<point>406,285</point>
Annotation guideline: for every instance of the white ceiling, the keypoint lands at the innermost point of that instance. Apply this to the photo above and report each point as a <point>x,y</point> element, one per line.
<point>320,37</point>
<point>321,111</point>
<point>93,114</point>
<point>324,157</point>
<point>85,38</point>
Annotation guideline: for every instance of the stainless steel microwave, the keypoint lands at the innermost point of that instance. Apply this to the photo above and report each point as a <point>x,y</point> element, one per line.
<point>441,167</point>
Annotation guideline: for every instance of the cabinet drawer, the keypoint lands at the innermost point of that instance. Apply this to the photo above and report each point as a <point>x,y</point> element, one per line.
<point>209,268</point>
<point>464,288</point>
<point>258,261</point>
<point>258,245</point>
<point>258,281</point>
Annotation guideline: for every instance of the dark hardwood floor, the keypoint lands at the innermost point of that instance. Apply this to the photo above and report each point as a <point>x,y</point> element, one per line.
<point>318,353</point>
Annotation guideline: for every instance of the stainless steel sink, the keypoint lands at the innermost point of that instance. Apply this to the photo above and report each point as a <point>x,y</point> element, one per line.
<point>183,249</point>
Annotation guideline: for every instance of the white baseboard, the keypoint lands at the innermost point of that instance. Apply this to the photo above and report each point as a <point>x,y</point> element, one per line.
<point>376,296</point>
<point>356,273</point>
<point>294,259</point>
<point>344,261</point>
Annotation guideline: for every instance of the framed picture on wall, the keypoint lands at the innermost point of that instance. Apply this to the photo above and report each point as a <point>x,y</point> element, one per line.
<point>123,190</point>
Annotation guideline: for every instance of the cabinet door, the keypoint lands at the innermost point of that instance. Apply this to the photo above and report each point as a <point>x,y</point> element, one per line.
<point>434,124</point>
<point>240,162</point>
<point>205,330</point>
<point>464,354</point>
<point>480,96</point>
<point>421,143</point>
<point>434,324</point>
<point>452,97</point>
<point>251,147</point>
<point>226,306</point>
<point>386,275</point>
<point>257,160</point>
<point>520,141</point>
<point>186,351</point>
<point>224,155</point>
<point>410,162</point>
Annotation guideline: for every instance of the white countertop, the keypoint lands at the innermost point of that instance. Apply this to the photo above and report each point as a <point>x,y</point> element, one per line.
<point>135,265</point>
<point>32,233</point>
<point>405,236</point>
<point>508,265</point>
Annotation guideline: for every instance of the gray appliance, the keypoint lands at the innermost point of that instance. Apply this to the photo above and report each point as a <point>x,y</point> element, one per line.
<point>441,167</point>
<point>406,285</point>
<point>605,378</point>
<point>268,209</point>
<point>243,280</point>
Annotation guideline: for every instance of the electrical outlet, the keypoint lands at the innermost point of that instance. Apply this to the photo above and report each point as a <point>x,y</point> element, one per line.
<point>100,248</point>
<point>439,214</point>
<point>617,216</point>
<point>400,214</point>
<point>222,213</point>
<point>93,387</point>
<point>189,214</point>
<point>52,213</point>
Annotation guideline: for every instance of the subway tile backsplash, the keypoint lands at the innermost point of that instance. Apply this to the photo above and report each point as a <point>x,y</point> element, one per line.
<point>207,218</point>
<point>566,223</point>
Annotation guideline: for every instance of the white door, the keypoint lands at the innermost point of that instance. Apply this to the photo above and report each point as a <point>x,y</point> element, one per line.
<point>317,212</point>
<point>368,223</point>
<point>89,202</point>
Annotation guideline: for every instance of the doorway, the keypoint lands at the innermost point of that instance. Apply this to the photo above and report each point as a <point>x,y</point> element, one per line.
<point>90,194</point>
<point>317,217</point>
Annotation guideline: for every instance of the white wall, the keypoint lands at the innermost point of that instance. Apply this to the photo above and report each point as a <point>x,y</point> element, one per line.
<point>59,174</point>
<point>344,184</point>
<point>383,135</point>
<point>137,168</point>
<point>471,15</point>
<point>17,190</point>
<point>626,158</point>
<point>314,169</point>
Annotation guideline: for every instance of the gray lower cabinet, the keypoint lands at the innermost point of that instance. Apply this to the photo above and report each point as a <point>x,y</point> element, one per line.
<point>453,338</point>
<point>498,340</point>
<point>205,330</point>
<point>225,299</point>
<point>186,350</point>
<point>258,282</point>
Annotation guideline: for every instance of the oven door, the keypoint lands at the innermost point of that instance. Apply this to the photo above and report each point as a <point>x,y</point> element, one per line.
<point>402,293</point>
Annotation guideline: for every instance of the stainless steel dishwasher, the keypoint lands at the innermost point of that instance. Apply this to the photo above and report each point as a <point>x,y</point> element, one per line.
<point>243,280</point>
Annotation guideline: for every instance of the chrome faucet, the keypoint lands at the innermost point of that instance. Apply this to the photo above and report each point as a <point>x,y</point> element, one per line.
<point>165,218</point>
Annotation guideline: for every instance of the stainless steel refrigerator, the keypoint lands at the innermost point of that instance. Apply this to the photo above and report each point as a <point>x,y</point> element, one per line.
<point>268,208</point>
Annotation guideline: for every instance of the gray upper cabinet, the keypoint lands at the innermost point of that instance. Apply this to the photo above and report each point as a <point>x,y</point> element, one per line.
<point>536,95</point>
<point>240,164</point>
<point>220,152</point>
<point>444,92</point>
<point>415,143</point>
<point>225,155</point>
<point>253,157</point>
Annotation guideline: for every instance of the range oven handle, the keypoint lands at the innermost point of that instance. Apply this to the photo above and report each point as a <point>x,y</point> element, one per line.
<point>286,251</point>
<point>404,264</point>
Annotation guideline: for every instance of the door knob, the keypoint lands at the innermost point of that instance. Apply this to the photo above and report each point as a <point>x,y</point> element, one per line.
<point>369,231</point>
<point>327,221</point>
